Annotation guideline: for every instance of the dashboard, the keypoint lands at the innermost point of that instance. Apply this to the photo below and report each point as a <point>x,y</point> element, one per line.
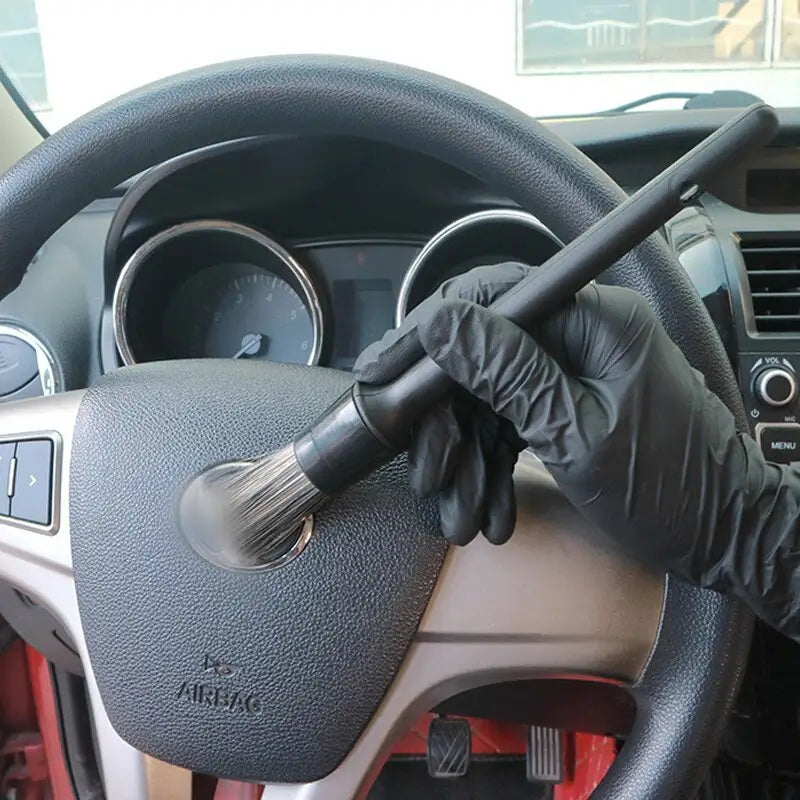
<point>306,249</point>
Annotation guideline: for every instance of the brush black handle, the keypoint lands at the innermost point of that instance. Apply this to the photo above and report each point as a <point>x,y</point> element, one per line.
<point>339,449</point>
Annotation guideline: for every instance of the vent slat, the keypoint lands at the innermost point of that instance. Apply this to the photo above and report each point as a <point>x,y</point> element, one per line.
<point>773,272</point>
<point>770,249</point>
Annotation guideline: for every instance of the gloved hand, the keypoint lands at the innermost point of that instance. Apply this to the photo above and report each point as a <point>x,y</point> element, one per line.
<point>625,426</point>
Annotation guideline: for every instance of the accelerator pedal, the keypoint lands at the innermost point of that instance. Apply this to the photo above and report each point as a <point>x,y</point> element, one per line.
<point>545,755</point>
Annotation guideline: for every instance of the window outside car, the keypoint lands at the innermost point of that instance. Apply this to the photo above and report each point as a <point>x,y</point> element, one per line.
<point>571,34</point>
<point>547,57</point>
<point>21,51</point>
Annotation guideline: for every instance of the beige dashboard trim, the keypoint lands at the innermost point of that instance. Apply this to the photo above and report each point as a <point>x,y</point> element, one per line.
<point>558,582</point>
<point>166,781</point>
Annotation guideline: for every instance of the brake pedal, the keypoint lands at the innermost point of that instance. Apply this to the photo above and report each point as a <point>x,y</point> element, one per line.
<point>449,747</point>
<point>545,755</point>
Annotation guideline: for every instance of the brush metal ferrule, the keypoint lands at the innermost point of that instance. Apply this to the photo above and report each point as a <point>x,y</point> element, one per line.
<point>340,448</point>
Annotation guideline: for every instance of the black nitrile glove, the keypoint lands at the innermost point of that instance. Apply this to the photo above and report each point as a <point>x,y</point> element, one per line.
<point>625,426</point>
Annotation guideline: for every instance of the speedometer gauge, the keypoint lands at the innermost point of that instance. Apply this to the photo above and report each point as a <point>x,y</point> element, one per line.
<point>239,311</point>
<point>216,289</point>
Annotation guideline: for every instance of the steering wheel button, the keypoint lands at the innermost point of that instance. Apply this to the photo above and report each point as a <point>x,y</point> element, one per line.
<point>32,487</point>
<point>780,443</point>
<point>18,364</point>
<point>6,461</point>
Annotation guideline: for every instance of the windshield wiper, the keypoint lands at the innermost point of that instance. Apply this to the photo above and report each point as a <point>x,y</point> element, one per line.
<point>20,102</point>
<point>719,98</point>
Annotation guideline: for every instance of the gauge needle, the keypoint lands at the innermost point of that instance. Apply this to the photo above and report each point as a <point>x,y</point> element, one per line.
<point>251,342</point>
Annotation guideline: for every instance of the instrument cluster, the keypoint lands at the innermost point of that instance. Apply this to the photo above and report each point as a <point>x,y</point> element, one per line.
<point>214,288</point>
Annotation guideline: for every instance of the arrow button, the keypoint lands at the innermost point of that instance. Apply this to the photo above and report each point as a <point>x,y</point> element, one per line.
<point>32,493</point>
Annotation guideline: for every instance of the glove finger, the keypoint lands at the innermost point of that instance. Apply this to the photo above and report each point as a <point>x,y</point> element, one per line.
<point>500,513</point>
<point>462,501</point>
<point>503,366</point>
<point>436,447</point>
<point>390,356</point>
<point>399,348</point>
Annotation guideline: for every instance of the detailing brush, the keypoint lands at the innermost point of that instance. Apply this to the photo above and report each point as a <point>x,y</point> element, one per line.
<point>369,425</point>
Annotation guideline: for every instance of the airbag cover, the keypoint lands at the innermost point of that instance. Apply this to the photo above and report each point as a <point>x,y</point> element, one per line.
<point>269,676</point>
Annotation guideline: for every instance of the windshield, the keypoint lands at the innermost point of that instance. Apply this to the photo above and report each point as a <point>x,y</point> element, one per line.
<point>547,57</point>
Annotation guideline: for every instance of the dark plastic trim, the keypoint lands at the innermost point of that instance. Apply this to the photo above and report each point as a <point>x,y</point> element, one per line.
<point>151,178</point>
<point>75,729</point>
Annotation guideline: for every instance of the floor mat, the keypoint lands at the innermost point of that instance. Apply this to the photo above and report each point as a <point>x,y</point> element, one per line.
<point>501,779</point>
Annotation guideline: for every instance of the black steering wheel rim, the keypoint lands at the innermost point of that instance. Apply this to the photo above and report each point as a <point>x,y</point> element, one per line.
<point>686,692</point>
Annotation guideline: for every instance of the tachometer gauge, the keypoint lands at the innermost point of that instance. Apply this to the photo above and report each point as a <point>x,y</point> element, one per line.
<point>239,311</point>
<point>216,289</point>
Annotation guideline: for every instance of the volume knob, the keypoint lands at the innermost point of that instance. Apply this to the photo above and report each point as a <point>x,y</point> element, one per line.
<point>776,386</point>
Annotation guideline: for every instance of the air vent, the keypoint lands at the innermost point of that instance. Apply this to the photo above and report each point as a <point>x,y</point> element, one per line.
<point>773,272</point>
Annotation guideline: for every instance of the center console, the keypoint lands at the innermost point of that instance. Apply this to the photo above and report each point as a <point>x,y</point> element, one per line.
<point>745,264</point>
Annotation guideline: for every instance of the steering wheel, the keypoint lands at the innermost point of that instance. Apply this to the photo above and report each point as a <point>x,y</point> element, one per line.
<point>301,676</point>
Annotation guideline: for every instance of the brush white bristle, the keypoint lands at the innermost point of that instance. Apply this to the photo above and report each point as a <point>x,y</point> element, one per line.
<point>266,503</point>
